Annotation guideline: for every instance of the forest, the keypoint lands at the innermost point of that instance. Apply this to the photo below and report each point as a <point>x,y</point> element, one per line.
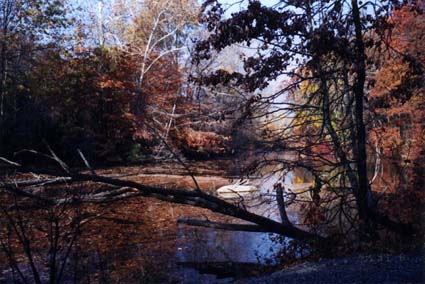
<point>214,141</point>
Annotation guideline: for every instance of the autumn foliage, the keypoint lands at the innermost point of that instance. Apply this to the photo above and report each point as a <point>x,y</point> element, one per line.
<point>398,102</point>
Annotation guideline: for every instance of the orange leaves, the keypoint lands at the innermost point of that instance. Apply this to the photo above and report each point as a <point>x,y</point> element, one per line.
<point>106,83</point>
<point>397,99</point>
<point>390,77</point>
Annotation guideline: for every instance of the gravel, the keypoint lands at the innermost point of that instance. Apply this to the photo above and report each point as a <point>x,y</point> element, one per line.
<point>379,268</point>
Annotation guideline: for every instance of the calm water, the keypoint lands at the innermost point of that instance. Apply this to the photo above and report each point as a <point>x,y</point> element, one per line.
<point>210,245</point>
<point>194,244</point>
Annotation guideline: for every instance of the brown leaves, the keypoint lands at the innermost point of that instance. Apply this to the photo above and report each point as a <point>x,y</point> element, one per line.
<point>203,143</point>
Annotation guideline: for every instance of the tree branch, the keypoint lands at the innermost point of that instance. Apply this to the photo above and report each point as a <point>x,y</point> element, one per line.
<point>222,226</point>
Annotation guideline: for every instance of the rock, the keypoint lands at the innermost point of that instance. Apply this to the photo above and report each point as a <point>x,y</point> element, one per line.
<point>236,190</point>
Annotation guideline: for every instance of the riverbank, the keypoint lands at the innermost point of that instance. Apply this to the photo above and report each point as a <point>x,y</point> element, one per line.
<point>369,268</point>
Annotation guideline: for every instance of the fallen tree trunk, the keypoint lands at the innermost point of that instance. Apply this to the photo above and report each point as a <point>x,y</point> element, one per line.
<point>222,226</point>
<point>182,196</point>
<point>203,200</point>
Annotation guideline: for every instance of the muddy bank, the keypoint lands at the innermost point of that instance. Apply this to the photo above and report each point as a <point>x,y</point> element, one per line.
<point>219,167</point>
<point>205,183</point>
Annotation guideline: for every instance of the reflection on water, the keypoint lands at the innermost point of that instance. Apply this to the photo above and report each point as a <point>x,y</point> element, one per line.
<point>205,245</point>
<point>211,245</point>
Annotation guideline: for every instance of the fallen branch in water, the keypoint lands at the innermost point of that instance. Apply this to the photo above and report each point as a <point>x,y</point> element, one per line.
<point>179,196</point>
<point>222,226</point>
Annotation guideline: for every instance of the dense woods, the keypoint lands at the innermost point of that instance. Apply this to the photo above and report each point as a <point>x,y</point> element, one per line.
<point>331,89</point>
<point>114,101</point>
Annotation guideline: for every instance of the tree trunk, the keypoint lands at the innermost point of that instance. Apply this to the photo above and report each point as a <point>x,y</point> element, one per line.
<point>363,195</point>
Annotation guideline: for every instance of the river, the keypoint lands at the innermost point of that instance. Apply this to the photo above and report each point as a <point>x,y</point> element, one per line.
<point>152,250</point>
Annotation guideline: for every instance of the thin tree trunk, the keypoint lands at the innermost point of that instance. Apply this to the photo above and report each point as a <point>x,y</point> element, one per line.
<point>281,204</point>
<point>364,196</point>
<point>3,70</point>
